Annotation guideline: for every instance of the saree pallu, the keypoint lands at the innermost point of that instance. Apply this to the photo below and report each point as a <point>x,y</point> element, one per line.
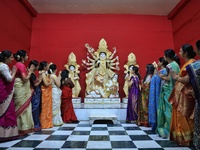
<point>183,102</point>
<point>46,115</point>
<point>56,95</point>
<point>164,112</point>
<point>194,72</point>
<point>8,120</point>
<point>133,98</point>
<point>23,108</point>
<point>36,107</point>
<point>153,100</point>
<point>67,109</point>
<point>143,107</point>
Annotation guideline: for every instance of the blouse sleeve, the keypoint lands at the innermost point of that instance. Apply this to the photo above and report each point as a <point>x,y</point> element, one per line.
<point>5,71</point>
<point>21,69</point>
<point>148,79</point>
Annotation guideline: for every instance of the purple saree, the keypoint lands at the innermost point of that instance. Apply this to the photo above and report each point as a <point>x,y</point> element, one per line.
<point>133,96</point>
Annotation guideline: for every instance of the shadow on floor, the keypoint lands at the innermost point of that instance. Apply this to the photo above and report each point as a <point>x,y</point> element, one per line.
<point>103,122</point>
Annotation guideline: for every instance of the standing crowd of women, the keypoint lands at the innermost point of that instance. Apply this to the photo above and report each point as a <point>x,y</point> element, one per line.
<point>168,98</point>
<point>30,102</point>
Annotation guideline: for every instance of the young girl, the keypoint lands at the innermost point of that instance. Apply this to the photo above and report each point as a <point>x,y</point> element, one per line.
<point>67,110</point>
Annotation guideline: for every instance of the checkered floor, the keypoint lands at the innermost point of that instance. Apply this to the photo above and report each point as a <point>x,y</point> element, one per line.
<point>83,136</point>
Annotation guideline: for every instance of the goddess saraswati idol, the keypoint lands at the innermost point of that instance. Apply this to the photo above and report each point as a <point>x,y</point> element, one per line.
<point>73,67</point>
<point>101,80</point>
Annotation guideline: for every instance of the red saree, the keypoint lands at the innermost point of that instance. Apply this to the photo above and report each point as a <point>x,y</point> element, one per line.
<point>67,110</point>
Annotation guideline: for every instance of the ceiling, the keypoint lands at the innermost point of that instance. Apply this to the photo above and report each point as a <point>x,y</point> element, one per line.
<point>143,7</point>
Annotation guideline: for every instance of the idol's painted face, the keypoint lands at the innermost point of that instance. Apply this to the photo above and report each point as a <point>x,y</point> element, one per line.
<point>115,77</point>
<point>131,67</point>
<point>102,55</point>
<point>72,68</point>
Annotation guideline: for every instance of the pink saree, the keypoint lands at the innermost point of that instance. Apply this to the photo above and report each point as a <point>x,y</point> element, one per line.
<point>8,121</point>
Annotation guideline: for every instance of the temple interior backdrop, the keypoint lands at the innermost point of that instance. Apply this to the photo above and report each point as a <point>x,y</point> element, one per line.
<point>52,37</point>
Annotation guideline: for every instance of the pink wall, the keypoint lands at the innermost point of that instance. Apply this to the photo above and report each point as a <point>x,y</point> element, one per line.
<point>55,36</point>
<point>15,26</point>
<point>186,25</point>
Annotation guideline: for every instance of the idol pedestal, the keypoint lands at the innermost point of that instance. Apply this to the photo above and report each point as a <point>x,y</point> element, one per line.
<point>100,109</point>
<point>125,100</point>
<point>103,111</point>
<point>76,100</point>
<point>101,100</point>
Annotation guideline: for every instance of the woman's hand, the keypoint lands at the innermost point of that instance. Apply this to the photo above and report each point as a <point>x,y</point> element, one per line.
<point>14,70</point>
<point>174,75</point>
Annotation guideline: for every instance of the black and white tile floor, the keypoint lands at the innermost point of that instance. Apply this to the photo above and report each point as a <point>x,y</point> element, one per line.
<point>83,136</point>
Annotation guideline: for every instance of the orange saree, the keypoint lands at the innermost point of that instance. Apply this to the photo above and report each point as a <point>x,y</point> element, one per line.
<point>46,106</point>
<point>182,100</point>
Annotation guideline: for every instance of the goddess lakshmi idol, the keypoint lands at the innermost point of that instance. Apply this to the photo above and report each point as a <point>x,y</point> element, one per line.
<point>73,67</point>
<point>101,80</point>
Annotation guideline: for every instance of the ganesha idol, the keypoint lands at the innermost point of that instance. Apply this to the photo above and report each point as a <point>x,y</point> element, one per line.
<point>101,80</point>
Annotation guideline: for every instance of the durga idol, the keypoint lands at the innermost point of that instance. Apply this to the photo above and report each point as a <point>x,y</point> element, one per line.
<point>101,80</point>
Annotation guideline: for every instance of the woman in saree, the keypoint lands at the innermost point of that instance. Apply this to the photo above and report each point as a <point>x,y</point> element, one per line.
<point>164,107</point>
<point>155,86</point>
<point>67,109</point>
<point>56,95</point>
<point>143,108</point>
<point>46,115</point>
<point>193,71</point>
<point>183,101</point>
<point>23,94</point>
<point>8,120</point>
<point>36,97</point>
<point>133,95</point>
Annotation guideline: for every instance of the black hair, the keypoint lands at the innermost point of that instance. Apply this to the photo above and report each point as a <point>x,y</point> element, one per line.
<point>198,44</point>
<point>42,65</point>
<point>136,70</point>
<point>4,55</point>
<point>52,68</point>
<point>171,54</point>
<point>163,61</point>
<point>64,74</point>
<point>33,62</point>
<point>150,70</point>
<point>187,48</point>
<point>19,55</point>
